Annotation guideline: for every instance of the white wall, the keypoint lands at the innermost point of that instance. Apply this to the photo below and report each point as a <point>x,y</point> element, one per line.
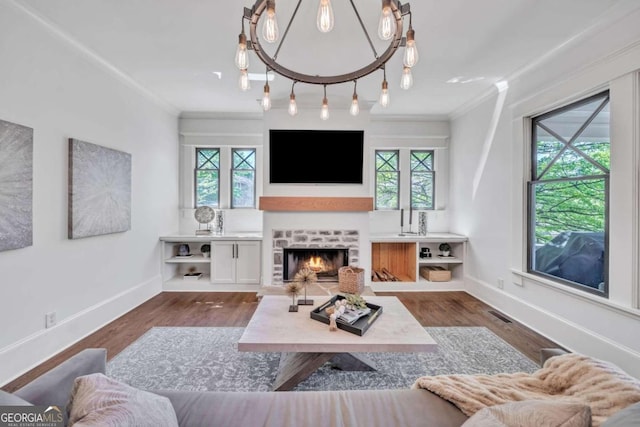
<point>61,93</point>
<point>488,200</point>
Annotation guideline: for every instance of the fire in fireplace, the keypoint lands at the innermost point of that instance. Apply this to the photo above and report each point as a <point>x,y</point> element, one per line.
<point>324,261</point>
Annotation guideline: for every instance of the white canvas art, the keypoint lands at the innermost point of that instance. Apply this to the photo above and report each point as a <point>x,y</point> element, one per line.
<point>16,186</point>
<point>99,190</point>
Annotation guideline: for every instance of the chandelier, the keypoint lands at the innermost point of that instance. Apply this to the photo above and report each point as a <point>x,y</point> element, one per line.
<point>389,29</point>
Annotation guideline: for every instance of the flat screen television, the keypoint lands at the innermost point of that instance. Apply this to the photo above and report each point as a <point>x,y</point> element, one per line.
<point>315,156</point>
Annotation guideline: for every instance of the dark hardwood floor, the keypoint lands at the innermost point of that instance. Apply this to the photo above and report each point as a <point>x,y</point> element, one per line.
<point>235,309</point>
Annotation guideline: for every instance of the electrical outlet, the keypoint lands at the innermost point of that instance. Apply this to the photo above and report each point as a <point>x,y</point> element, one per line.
<point>500,283</point>
<point>50,319</point>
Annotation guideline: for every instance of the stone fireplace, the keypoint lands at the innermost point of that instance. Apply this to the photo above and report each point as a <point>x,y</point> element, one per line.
<point>330,250</point>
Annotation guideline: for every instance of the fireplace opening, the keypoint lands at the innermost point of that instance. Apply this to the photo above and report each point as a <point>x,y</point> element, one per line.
<point>324,261</point>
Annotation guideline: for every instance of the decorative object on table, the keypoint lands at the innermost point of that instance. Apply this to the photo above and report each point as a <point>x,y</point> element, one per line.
<point>204,215</point>
<point>445,249</point>
<point>351,280</point>
<point>294,289</point>
<point>16,186</point>
<point>206,250</point>
<point>99,190</point>
<point>422,223</point>
<point>334,312</point>
<point>305,277</point>
<point>219,223</point>
<point>425,253</point>
<point>357,327</point>
<point>183,250</point>
<point>355,301</point>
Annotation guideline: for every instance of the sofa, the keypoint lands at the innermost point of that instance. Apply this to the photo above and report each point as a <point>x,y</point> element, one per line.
<point>410,407</point>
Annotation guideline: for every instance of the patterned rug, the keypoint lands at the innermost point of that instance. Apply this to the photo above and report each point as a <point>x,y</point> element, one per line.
<point>204,358</point>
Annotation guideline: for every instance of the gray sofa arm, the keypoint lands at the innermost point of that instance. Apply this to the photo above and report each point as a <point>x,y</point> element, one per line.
<point>547,353</point>
<point>54,387</point>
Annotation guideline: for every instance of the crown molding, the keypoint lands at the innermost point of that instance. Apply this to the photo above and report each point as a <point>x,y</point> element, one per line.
<point>93,56</point>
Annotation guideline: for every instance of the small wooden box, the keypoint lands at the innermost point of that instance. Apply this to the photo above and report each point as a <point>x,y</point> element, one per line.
<point>434,273</point>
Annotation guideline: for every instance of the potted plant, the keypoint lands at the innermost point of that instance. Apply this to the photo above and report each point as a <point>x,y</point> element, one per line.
<point>445,249</point>
<point>206,250</point>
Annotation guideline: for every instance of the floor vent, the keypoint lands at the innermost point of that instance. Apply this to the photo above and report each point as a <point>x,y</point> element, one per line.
<point>500,316</point>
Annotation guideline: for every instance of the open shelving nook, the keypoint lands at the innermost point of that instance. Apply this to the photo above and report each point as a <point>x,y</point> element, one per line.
<point>401,257</point>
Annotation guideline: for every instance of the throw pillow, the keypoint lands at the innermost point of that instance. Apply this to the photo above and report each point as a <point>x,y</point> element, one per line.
<point>629,416</point>
<point>8,399</point>
<point>99,400</point>
<point>532,413</point>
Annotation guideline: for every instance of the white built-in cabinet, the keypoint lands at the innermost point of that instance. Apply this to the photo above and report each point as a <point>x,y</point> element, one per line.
<point>231,264</point>
<point>235,262</point>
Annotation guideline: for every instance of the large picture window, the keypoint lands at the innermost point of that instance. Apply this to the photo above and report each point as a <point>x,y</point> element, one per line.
<point>207,177</point>
<point>243,178</point>
<point>569,195</point>
<point>387,179</point>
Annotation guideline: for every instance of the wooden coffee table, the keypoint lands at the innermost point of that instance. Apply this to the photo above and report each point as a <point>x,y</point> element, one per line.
<point>307,344</point>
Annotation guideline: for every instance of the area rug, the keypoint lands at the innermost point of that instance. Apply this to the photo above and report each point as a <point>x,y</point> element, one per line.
<point>206,358</point>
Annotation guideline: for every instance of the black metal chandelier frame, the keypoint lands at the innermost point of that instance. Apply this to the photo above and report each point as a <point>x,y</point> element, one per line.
<point>253,14</point>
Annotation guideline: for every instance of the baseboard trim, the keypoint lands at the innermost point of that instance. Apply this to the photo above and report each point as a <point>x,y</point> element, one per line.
<point>31,351</point>
<point>566,333</point>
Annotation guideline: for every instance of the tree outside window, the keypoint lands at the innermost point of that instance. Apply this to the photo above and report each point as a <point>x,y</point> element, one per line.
<point>422,179</point>
<point>387,179</point>
<point>207,177</point>
<point>569,193</point>
<point>243,178</point>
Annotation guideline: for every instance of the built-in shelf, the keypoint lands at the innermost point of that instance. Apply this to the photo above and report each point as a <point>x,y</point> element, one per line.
<point>440,260</point>
<point>188,259</point>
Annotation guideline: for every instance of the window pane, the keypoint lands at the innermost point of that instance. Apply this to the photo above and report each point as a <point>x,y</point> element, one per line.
<point>422,190</point>
<point>207,191</point>
<point>244,159</point>
<point>243,191</point>
<point>422,160</point>
<point>207,158</point>
<point>570,218</point>
<point>387,190</point>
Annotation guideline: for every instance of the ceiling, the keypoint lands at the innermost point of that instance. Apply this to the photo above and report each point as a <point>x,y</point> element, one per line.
<point>175,48</point>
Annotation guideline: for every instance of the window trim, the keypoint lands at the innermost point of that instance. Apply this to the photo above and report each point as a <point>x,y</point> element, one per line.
<point>534,178</point>
<point>231,177</point>
<point>432,171</point>
<point>375,183</point>
<point>196,169</point>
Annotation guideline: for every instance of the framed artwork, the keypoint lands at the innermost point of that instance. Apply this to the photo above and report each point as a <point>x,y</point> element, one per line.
<point>99,190</point>
<point>16,186</point>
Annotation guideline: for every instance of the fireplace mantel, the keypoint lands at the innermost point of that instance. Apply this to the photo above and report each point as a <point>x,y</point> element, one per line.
<point>316,204</point>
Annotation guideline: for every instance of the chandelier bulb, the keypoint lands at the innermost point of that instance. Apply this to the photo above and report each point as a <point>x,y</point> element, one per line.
<point>242,55</point>
<point>325,16</point>
<point>270,30</point>
<point>243,82</point>
<point>354,110</point>
<point>384,95</point>
<point>387,25</point>
<point>324,113</point>
<point>266,99</point>
<point>410,51</point>
<point>293,107</point>
<point>406,81</point>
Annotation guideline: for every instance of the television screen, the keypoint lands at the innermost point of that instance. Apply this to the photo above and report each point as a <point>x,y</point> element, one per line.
<point>315,156</point>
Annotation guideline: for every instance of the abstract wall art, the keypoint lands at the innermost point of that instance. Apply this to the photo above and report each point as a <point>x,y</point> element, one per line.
<point>99,190</point>
<point>16,186</point>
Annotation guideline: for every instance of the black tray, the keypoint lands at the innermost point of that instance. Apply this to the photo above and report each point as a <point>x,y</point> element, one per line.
<point>359,327</point>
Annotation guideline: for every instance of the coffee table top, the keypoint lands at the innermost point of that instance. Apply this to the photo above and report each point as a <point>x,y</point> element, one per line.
<point>274,329</point>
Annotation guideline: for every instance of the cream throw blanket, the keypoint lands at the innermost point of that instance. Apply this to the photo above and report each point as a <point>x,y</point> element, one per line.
<point>569,377</point>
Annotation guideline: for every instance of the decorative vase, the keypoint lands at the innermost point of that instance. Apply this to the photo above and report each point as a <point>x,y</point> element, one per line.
<point>422,223</point>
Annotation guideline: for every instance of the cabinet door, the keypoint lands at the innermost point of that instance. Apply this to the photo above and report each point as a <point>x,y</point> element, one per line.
<point>248,262</point>
<point>223,262</point>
